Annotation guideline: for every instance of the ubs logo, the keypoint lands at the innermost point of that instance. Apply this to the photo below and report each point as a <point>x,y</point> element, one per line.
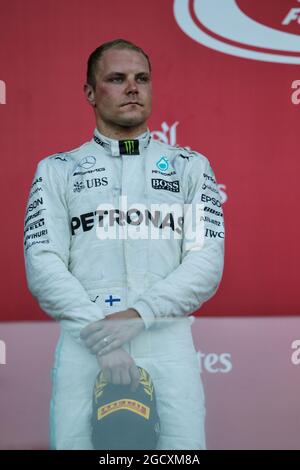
<point>225,27</point>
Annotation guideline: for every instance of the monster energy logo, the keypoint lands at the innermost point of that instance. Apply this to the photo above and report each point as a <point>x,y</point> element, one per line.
<point>129,147</point>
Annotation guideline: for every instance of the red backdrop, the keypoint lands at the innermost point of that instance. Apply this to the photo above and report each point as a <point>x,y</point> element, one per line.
<point>238,111</point>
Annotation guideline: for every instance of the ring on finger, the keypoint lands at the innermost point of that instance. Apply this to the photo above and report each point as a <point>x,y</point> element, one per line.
<point>107,340</point>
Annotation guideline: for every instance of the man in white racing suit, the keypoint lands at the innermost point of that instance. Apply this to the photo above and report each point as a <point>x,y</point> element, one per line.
<point>113,252</point>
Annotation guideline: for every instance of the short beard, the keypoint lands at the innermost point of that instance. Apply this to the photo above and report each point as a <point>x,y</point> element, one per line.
<point>128,122</point>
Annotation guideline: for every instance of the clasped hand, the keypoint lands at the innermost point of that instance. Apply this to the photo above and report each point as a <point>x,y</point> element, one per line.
<point>104,336</point>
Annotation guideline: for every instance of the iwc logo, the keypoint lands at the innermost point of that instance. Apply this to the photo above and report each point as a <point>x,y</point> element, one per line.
<point>226,26</point>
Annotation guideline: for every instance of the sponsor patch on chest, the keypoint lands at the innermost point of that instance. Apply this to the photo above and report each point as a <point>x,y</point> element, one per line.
<point>159,183</point>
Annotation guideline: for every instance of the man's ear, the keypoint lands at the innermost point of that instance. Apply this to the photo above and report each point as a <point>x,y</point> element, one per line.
<point>90,94</point>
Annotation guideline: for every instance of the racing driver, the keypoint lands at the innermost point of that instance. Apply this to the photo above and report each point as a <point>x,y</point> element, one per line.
<point>108,257</point>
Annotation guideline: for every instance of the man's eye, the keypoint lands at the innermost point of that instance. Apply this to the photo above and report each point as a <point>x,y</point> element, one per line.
<point>144,79</point>
<point>116,79</point>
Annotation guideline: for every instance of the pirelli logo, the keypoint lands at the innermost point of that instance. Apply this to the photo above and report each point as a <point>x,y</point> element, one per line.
<point>124,404</point>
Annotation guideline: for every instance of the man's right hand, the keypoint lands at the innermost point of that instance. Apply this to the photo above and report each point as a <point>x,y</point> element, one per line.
<point>119,368</point>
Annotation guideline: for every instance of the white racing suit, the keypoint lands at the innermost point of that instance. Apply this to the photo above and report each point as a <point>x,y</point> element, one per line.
<point>86,258</point>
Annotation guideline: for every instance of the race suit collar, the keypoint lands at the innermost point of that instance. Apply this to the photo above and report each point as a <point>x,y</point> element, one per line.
<point>123,147</point>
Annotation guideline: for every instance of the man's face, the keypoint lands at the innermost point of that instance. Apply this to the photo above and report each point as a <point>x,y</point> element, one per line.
<point>122,94</point>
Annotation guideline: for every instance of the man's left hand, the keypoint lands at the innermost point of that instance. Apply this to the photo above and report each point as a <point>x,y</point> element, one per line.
<point>112,332</point>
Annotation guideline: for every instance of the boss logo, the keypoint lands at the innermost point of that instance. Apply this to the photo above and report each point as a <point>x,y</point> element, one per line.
<point>158,183</point>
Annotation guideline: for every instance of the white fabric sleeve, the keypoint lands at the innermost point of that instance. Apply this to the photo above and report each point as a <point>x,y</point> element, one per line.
<point>46,251</point>
<point>197,277</point>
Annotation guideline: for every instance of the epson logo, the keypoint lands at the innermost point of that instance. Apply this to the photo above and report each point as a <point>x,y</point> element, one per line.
<point>213,200</point>
<point>2,92</point>
<point>158,183</point>
<point>34,204</point>
<point>2,352</point>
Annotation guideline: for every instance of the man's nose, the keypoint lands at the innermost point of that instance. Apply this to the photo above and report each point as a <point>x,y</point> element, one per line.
<point>131,86</point>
